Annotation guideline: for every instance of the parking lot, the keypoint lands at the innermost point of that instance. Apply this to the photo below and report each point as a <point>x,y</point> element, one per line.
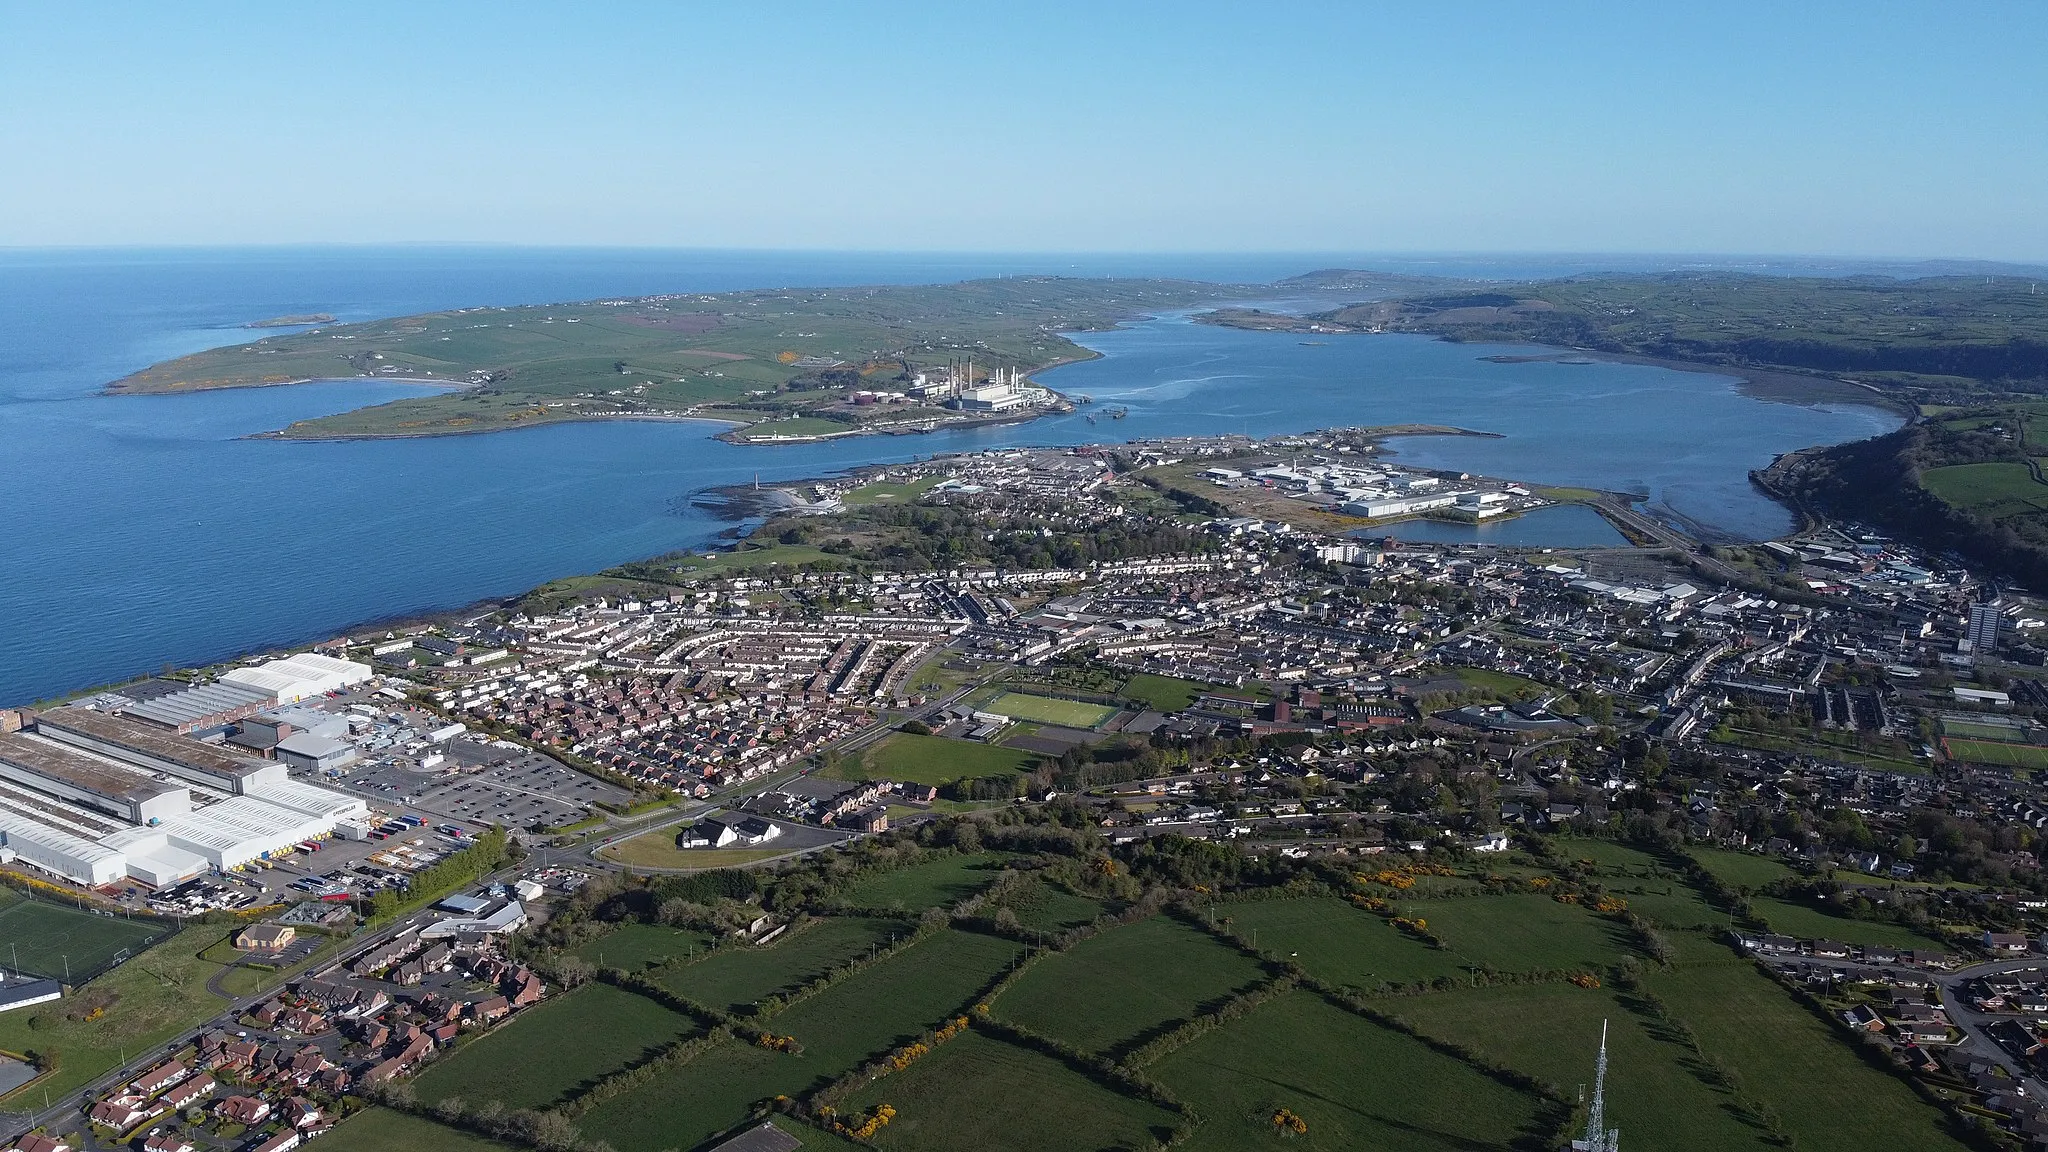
<point>482,783</point>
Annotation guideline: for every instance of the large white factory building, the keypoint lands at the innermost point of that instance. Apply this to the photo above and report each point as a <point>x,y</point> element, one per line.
<point>94,797</point>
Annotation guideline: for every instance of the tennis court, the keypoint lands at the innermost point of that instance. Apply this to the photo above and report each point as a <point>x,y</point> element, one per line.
<point>67,943</point>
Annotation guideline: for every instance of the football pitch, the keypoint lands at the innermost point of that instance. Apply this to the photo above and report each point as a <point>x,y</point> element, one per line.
<point>1997,753</point>
<point>1047,710</point>
<point>67,943</point>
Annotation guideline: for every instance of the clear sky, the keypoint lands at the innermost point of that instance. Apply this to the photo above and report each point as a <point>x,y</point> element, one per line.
<point>1859,128</point>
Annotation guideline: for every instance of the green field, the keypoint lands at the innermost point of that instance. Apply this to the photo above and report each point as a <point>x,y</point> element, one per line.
<point>1996,490</point>
<point>1505,685</point>
<point>1743,871</point>
<point>1809,922</point>
<point>862,1016</point>
<point>67,943</point>
<point>946,880</point>
<point>158,994</point>
<point>1990,729</point>
<point>974,1093</point>
<point>635,946</point>
<point>383,1130</point>
<point>1163,693</point>
<point>1552,1031</point>
<point>1049,710</point>
<point>733,978</point>
<point>1996,753</point>
<point>1136,981</point>
<point>657,849</point>
<point>1522,933</point>
<point>1356,1084</point>
<point>934,760</point>
<point>1048,908</point>
<point>556,1049</point>
<point>1782,1055</point>
<point>1337,942</point>
<point>887,492</point>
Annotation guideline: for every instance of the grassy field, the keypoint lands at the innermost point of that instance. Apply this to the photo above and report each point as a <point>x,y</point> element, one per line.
<point>1996,490</point>
<point>946,880</point>
<point>735,977</point>
<point>1998,753</point>
<point>657,849</point>
<point>1785,1057</point>
<point>1046,908</point>
<point>1049,710</point>
<point>1136,980</point>
<point>934,760</point>
<point>1337,942</point>
<point>888,492</point>
<point>635,946</point>
<point>63,942</point>
<point>839,1028</point>
<point>1521,933</point>
<point>1356,1084</point>
<point>975,1093</point>
<point>1809,922</point>
<point>158,994</point>
<point>1163,693</point>
<point>1505,685</point>
<point>1552,1032</point>
<point>1991,729</point>
<point>556,1049</point>
<point>1741,870</point>
<point>383,1130</point>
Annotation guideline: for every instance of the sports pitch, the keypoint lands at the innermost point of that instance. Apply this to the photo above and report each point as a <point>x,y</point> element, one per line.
<point>1047,710</point>
<point>59,942</point>
<point>1996,752</point>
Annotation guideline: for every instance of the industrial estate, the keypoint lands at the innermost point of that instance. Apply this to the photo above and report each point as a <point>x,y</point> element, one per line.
<point>1143,794</point>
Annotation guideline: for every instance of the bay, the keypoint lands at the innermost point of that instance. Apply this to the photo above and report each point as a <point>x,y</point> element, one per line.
<point>145,531</point>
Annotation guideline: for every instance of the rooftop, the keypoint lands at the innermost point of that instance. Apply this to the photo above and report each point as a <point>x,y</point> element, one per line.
<point>79,770</point>
<point>149,740</point>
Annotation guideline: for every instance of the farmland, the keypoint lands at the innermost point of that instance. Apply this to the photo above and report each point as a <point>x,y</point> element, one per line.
<point>383,1130</point>
<point>1337,942</point>
<point>1354,1083</point>
<point>635,946</point>
<point>1521,933</point>
<point>1741,870</point>
<point>1807,922</point>
<point>1117,973</point>
<point>976,1092</point>
<point>587,1033</point>
<point>945,880</point>
<point>736,977</point>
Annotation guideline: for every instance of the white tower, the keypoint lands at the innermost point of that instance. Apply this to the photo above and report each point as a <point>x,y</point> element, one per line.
<point>1599,1137</point>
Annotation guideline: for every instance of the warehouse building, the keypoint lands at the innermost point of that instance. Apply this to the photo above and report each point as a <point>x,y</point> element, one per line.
<point>296,678</point>
<point>70,775</point>
<point>152,749</point>
<point>199,706</point>
<point>75,859</point>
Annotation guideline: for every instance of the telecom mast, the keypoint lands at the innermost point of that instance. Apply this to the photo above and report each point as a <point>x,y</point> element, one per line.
<point>1599,1137</point>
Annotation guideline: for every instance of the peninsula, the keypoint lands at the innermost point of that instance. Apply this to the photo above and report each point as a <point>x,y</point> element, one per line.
<point>781,365</point>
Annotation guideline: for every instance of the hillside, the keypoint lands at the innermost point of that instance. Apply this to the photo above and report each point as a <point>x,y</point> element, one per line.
<point>1943,340</point>
<point>768,355</point>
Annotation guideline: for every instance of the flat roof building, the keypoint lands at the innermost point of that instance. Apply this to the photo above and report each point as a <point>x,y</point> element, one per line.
<point>58,853</point>
<point>67,774</point>
<point>199,706</point>
<point>155,750</point>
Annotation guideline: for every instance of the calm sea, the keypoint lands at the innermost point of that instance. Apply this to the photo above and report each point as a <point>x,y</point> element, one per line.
<point>145,531</point>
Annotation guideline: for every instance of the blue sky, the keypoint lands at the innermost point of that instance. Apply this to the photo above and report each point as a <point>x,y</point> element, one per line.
<point>1817,128</point>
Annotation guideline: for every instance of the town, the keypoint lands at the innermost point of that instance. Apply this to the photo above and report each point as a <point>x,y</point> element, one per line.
<point>989,711</point>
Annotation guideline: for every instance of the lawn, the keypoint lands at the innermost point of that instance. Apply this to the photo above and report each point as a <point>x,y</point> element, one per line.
<point>383,1130</point>
<point>1994,490</point>
<point>946,880</point>
<point>1996,752</point>
<point>1356,1085</point>
<point>556,1049</point>
<point>159,994</point>
<point>65,943</point>
<point>733,978</point>
<point>1119,988</point>
<point>976,1093</point>
<point>841,1027</point>
<point>1522,933</point>
<point>1049,710</point>
<point>1163,693</point>
<point>1743,871</point>
<point>1611,858</point>
<point>1337,942</point>
<point>657,849</point>
<point>1784,1056</point>
<point>1505,685</point>
<point>1811,922</point>
<point>635,946</point>
<point>935,760</point>
<point>888,492</point>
